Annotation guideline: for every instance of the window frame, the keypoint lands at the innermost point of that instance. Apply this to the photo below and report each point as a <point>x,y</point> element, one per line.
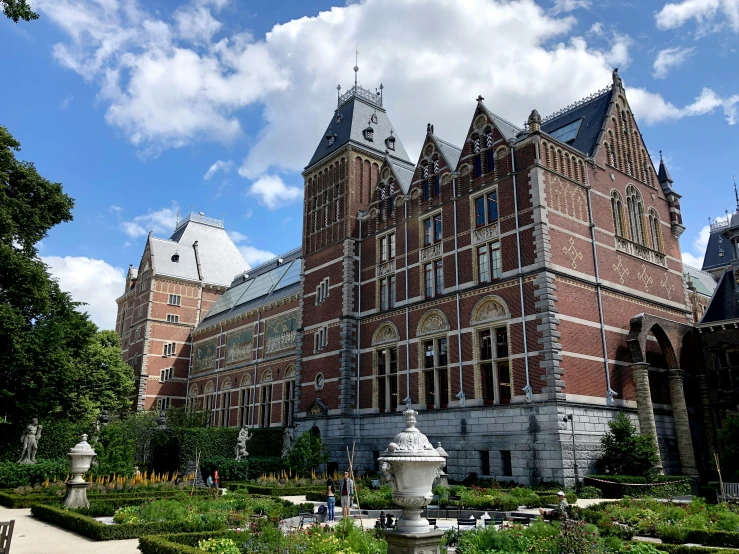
<point>387,381</point>
<point>175,299</point>
<point>432,229</point>
<point>493,260</point>
<point>437,374</point>
<point>166,374</point>
<point>486,216</point>
<point>498,359</point>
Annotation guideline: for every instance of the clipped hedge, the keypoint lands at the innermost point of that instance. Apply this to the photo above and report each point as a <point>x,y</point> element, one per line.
<point>726,539</point>
<point>283,491</point>
<point>617,486</point>
<point>242,470</point>
<point>93,529</point>
<point>14,475</point>
<point>682,549</point>
<point>11,500</point>
<point>183,543</point>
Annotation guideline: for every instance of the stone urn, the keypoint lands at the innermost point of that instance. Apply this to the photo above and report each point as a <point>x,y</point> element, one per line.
<point>80,458</point>
<point>411,464</point>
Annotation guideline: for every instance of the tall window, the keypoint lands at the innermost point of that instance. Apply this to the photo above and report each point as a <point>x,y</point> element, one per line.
<point>265,400</point>
<point>435,373</point>
<point>175,299</point>
<point>322,291</point>
<point>433,279</point>
<point>489,262</point>
<point>387,247</point>
<point>288,403</point>
<point>617,208</point>
<point>169,349</point>
<point>387,379</point>
<point>246,402</point>
<point>225,409</point>
<point>636,214</point>
<point>320,339</point>
<point>655,231</point>
<point>476,149</point>
<point>432,230</point>
<point>486,209</point>
<point>387,292</point>
<point>495,368</point>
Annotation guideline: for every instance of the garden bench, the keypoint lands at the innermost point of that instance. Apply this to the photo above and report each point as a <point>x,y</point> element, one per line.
<point>6,533</point>
<point>497,518</point>
<point>731,490</point>
<point>453,502</point>
<point>306,517</point>
<point>521,517</point>
<point>464,522</point>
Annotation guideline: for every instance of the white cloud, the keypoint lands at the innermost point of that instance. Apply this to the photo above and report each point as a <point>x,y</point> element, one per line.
<point>115,209</point>
<point>254,256</point>
<point>66,102</point>
<point>691,260</point>
<point>92,281</point>
<point>162,222</point>
<point>694,256</point>
<point>652,108</point>
<point>674,15</point>
<point>271,191</point>
<point>618,56</point>
<point>669,58</point>
<point>569,5</point>
<point>237,237</point>
<point>219,165</point>
<point>596,29</point>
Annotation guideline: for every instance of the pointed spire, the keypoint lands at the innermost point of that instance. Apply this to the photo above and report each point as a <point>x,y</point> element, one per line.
<point>534,121</point>
<point>356,64</point>
<point>338,96</point>
<point>663,176</point>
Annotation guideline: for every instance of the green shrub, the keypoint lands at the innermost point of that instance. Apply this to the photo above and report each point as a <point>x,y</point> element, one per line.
<point>682,549</point>
<point>221,545</point>
<point>589,492</point>
<point>625,451</point>
<point>617,486</point>
<point>672,533</point>
<point>242,470</point>
<point>307,453</point>
<point>14,475</point>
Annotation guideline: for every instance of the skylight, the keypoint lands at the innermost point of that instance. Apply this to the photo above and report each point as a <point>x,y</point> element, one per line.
<point>568,132</point>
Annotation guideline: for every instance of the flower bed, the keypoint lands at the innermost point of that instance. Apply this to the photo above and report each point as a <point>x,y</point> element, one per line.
<point>618,486</point>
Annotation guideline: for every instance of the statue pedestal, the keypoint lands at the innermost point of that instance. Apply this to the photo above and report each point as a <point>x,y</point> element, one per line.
<point>413,543</point>
<point>76,495</point>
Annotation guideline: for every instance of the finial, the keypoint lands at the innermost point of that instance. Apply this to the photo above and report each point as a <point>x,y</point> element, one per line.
<point>660,156</point>
<point>736,195</point>
<point>338,96</point>
<point>616,78</point>
<point>534,121</point>
<point>479,98</point>
<point>428,128</point>
<point>356,64</point>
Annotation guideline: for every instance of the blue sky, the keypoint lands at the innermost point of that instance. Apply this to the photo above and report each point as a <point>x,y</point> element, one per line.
<point>141,108</point>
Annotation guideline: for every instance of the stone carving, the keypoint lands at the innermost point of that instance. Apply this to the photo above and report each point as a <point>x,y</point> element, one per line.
<point>485,234</point>
<point>80,460</point>
<point>639,251</point>
<point>287,441</point>
<point>266,376</point>
<point>480,121</point>
<point>386,333</point>
<point>572,253</point>
<point>433,251</point>
<point>489,310</point>
<point>386,268</point>
<point>320,380</point>
<point>621,269</point>
<point>29,440</point>
<point>669,287</point>
<point>432,323</point>
<point>241,440</point>
<point>645,278</point>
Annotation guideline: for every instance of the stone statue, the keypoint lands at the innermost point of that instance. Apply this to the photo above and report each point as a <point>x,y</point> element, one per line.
<point>244,437</point>
<point>287,441</point>
<point>29,440</point>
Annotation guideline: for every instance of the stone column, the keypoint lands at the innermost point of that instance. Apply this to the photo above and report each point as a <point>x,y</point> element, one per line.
<point>644,409</point>
<point>682,424</point>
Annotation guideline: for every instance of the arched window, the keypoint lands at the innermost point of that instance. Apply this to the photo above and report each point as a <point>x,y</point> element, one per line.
<point>288,397</point>
<point>635,208</point>
<point>617,208</point>
<point>655,231</point>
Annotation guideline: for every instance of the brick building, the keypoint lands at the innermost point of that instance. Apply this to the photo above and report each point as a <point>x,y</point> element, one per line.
<point>495,287</point>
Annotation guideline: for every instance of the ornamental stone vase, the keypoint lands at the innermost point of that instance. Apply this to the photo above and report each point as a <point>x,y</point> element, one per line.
<point>80,458</point>
<point>411,464</point>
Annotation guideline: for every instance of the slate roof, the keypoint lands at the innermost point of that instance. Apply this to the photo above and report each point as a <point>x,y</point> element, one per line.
<point>592,112</point>
<point>703,282</point>
<point>507,129</point>
<point>403,172</point>
<point>273,280</point>
<point>725,302</point>
<point>718,245</point>
<point>450,152</point>
<point>220,259</point>
<point>353,117</point>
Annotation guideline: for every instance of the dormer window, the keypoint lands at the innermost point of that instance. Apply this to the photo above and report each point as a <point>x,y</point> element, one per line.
<point>339,117</point>
<point>330,139</point>
<point>369,134</point>
<point>390,142</point>
<point>175,258</point>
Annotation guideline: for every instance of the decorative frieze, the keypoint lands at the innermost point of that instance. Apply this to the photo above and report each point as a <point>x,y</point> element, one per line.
<point>485,234</point>
<point>433,251</point>
<point>640,251</point>
<point>386,269</point>
<point>281,333</point>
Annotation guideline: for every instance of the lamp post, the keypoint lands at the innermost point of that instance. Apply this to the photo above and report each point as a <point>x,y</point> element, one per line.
<point>570,418</point>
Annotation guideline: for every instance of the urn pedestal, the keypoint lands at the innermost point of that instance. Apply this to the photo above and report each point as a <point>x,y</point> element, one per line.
<point>80,457</point>
<point>410,464</point>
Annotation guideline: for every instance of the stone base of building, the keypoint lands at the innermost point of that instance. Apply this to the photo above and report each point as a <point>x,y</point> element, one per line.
<point>413,543</point>
<point>526,443</point>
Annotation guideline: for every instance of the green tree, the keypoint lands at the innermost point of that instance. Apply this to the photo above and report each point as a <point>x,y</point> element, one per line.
<point>17,10</point>
<point>53,362</point>
<point>730,455</point>
<point>626,452</point>
<point>308,452</point>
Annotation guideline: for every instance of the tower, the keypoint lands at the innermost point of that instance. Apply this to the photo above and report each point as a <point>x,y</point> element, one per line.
<point>339,181</point>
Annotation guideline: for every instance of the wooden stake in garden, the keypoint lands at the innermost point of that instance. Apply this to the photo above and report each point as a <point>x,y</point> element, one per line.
<point>351,476</point>
<point>720,481</point>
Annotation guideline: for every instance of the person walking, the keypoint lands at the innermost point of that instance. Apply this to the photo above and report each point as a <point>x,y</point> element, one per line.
<point>347,493</point>
<point>331,499</point>
<point>209,482</point>
<point>216,481</point>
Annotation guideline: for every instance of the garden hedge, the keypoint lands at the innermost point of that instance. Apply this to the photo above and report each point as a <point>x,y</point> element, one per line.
<point>93,529</point>
<point>617,486</point>
<point>182,543</point>
<point>14,475</point>
<point>726,539</point>
<point>11,500</point>
<point>682,549</point>
<point>242,470</point>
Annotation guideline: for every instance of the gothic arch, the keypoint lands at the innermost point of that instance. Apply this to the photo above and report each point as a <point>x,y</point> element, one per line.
<point>246,380</point>
<point>433,321</point>
<point>209,387</point>
<point>290,372</point>
<point>669,335</point>
<point>489,308</point>
<point>387,332</point>
<point>226,383</point>
<point>266,376</point>
<point>194,390</point>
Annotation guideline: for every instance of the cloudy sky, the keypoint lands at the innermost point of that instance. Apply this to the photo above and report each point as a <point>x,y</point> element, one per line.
<point>144,108</point>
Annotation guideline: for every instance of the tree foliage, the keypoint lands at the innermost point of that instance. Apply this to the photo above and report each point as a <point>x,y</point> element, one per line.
<point>308,452</point>
<point>626,452</point>
<point>730,455</point>
<point>17,10</point>
<point>54,364</point>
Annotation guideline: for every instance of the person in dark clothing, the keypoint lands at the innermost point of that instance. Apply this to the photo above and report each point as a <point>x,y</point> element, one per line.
<point>331,499</point>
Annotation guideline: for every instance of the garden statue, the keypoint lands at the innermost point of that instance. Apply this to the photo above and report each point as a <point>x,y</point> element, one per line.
<point>29,440</point>
<point>244,437</point>
<point>287,441</point>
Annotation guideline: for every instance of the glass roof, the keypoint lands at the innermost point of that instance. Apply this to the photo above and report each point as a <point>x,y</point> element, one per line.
<point>263,284</point>
<point>568,132</point>
<point>292,275</point>
<point>228,299</point>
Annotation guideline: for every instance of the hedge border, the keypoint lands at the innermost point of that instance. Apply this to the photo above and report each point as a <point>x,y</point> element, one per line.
<point>15,501</point>
<point>95,530</point>
<point>682,549</point>
<point>719,539</point>
<point>165,544</point>
<point>272,491</point>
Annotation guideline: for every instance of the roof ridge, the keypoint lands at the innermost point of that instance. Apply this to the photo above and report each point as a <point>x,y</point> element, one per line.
<point>272,260</point>
<point>437,137</point>
<point>577,104</point>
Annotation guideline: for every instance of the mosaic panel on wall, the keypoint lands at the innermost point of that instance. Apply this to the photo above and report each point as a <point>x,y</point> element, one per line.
<point>204,357</point>
<point>280,333</point>
<point>239,346</point>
